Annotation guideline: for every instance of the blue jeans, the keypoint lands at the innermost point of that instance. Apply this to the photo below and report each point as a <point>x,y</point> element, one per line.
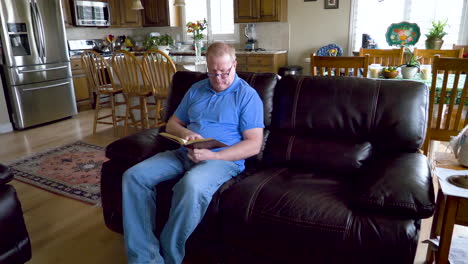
<point>190,200</point>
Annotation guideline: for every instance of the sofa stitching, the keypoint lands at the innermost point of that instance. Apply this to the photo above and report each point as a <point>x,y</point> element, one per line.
<point>296,99</point>
<point>296,222</point>
<point>375,103</point>
<point>253,198</point>
<point>289,149</point>
<point>406,204</point>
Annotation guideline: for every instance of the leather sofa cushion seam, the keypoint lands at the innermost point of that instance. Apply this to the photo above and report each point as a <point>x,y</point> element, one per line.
<point>296,99</point>
<point>396,204</point>
<point>289,149</point>
<point>299,223</point>
<point>257,191</point>
<point>375,103</point>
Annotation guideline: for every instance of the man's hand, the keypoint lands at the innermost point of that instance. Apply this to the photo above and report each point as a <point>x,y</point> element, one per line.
<point>190,135</point>
<point>197,155</point>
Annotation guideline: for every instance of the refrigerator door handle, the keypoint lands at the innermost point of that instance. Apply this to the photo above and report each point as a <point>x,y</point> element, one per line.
<point>41,29</point>
<point>40,70</point>
<point>37,36</point>
<point>47,86</point>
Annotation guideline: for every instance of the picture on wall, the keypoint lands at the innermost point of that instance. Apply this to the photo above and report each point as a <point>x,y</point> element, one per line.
<point>331,4</point>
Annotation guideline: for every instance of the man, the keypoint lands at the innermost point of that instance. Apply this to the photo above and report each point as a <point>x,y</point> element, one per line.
<point>223,107</point>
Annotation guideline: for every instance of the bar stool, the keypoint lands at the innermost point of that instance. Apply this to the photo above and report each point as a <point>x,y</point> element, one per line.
<point>137,88</point>
<point>159,68</point>
<point>100,80</point>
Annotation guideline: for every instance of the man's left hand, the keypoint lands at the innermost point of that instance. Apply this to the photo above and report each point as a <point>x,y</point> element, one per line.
<point>197,155</point>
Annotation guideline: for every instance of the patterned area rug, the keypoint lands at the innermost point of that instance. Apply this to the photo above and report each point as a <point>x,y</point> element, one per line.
<point>72,170</point>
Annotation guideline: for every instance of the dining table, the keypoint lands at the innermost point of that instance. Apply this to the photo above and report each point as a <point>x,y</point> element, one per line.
<point>439,82</point>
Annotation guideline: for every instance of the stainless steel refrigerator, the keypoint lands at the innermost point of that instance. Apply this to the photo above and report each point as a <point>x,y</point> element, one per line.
<point>35,63</point>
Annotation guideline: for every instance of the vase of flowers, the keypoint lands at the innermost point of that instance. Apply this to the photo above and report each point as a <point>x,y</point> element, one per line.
<point>197,30</point>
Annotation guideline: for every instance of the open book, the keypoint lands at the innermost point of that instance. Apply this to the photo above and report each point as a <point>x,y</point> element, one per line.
<point>204,143</point>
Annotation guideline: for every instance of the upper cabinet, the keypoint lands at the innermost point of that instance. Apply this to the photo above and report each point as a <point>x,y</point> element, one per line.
<point>251,11</point>
<point>122,15</point>
<point>156,13</point>
<point>159,13</point>
<point>67,18</point>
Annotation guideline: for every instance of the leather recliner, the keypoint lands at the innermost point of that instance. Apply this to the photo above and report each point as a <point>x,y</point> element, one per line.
<point>15,247</point>
<point>340,178</point>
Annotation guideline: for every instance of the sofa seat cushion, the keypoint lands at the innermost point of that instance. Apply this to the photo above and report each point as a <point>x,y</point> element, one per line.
<point>307,212</point>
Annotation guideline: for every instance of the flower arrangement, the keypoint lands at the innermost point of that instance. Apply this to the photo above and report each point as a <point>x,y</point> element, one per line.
<point>197,28</point>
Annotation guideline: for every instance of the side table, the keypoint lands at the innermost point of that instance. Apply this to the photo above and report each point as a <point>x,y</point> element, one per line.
<point>451,209</point>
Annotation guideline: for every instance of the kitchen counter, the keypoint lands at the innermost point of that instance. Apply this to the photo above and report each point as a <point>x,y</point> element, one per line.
<point>239,52</point>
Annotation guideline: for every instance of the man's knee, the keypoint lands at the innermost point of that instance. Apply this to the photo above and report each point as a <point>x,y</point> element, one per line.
<point>131,176</point>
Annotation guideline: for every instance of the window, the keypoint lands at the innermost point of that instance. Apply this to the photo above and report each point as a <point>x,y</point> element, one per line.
<point>220,17</point>
<point>375,16</point>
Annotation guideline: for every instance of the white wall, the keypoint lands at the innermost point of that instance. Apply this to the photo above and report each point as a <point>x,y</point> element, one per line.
<point>312,26</point>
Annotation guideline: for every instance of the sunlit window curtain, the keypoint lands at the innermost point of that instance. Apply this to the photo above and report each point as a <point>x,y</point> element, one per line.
<point>373,17</point>
<point>219,14</point>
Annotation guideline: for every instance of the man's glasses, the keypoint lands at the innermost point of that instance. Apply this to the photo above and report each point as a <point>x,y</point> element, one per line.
<point>223,75</point>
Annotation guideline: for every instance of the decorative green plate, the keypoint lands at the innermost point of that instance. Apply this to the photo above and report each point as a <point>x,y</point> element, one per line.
<point>403,33</point>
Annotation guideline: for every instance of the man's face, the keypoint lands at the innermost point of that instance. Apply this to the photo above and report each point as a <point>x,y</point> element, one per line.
<point>221,71</point>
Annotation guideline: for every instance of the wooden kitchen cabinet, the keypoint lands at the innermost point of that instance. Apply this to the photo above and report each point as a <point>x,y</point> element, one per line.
<point>252,11</point>
<point>156,13</point>
<point>261,62</point>
<point>122,15</point>
<point>83,93</point>
<point>67,17</point>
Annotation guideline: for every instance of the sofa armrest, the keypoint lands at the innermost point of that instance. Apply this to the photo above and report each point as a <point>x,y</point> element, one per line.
<point>398,185</point>
<point>5,174</point>
<point>139,146</point>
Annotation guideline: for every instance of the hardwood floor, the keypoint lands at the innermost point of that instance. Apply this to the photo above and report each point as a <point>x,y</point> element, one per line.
<point>62,230</point>
<point>66,231</point>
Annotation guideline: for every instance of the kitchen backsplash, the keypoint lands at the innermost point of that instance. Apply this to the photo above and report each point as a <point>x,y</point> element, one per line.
<point>96,33</point>
<point>271,35</point>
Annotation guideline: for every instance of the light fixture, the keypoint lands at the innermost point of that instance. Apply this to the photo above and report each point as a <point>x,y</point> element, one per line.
<point>179,2</point>
<point>136,5</point>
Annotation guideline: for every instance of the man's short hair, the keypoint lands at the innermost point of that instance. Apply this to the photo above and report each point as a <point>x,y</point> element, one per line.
<point>219,49</point>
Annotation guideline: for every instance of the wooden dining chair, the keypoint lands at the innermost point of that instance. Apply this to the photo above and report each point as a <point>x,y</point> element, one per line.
<point>137,88</point>
<point>384,57</point>
<point>159,68</point>
<point>100,79</point>
<point>427,55</point>
<point>323,65</point>
<point>447,105</point>
<point>464,47</point>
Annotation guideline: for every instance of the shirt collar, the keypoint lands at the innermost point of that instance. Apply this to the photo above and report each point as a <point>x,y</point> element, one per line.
<point>231,89</point>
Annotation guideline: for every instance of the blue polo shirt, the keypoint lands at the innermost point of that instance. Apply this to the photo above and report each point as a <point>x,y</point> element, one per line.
<point>221,115</point>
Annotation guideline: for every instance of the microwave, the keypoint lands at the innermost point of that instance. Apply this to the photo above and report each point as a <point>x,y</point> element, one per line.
<point>91,13</point>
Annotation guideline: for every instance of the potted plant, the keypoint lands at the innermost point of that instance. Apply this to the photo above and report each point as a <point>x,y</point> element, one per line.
<point>163,42</point>
<point>436,33</point>
<point>411,65</point>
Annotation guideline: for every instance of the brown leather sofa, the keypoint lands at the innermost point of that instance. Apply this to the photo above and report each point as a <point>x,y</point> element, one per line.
<point>339,180</point>
<point>15,247</point>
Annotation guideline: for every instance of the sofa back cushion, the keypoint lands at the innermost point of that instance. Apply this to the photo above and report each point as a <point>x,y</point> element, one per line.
<point>338,122</point>
<point>263,83</point>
